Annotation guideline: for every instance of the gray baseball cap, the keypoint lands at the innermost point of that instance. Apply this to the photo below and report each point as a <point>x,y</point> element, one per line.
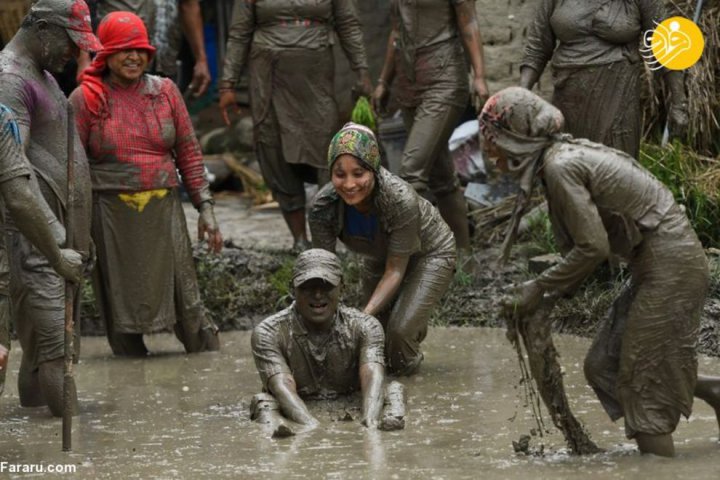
<point>73,16</point>
<point>317,263</point>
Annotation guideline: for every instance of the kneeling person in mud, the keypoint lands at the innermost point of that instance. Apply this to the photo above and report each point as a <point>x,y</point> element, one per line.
<point>642,364</point>
<point>317,349</point>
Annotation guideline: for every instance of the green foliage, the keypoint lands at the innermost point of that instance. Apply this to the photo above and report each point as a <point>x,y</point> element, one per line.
<point>281,278</point>
<point>539,234</point>
<point>695,183</point>
<point>363,114</point>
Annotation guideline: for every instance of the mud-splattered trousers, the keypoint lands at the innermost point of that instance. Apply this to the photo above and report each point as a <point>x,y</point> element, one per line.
<point>432,89</point>
<point>407,224</point>
<point>287,46</point>
<point>643,362</point>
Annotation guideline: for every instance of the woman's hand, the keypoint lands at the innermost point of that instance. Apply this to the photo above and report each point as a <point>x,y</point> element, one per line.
<point>481,92</point>
<point>228,101</point>
<point>207,226</point>
<point>379,97</point>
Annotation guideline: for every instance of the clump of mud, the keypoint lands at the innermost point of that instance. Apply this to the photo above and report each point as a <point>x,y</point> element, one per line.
<point>533,332</point>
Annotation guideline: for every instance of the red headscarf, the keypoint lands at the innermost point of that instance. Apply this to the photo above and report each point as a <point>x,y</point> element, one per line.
<point>118,31</point>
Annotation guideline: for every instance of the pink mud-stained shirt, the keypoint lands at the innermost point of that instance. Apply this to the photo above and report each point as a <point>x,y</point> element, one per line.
<point>140,138</point>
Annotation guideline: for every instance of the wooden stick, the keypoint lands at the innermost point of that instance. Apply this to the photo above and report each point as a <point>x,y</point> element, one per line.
<point>68,403</point>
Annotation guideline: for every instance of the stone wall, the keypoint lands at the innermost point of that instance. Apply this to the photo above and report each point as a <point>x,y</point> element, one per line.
<point>502,24</point>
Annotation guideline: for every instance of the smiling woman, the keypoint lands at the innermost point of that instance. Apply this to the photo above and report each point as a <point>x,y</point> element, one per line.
<point>137,134</point>
<point>408,248</point>
<point>127,66</point>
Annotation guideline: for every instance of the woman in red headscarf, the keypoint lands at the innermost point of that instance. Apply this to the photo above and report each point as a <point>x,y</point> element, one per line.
<point>137,134</point>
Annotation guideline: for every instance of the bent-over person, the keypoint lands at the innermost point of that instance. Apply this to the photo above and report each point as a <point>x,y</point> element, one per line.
<point>317,349</point>
<point>643,362</point>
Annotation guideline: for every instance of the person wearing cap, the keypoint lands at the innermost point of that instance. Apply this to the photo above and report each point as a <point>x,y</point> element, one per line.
<point>642,363</point>
<point>50,35</point>
<point>21,204</point>
<point>408,249</point>
<point>318,348</point>
<point>137,134</point>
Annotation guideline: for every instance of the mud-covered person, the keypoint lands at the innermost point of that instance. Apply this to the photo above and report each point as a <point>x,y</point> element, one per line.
<point>408,250</point>
<point>317,349</point>
<point>597,71</point>
<point>52,33</point>
<point>137,133</point>
<point>22,205</point>
<point>426,56</point>
<point>286,46</point>
<point>642,363</point>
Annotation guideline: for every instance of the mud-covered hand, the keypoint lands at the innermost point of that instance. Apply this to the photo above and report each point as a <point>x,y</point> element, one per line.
<point>481,92</point>
<point>70,265</point>
<point>380,97</point>
<point>228,102</point>
<point>207,226</point>
<point>201,78</point>
<point>524,300</point>
<point>678,118</point>
<point>91,258</point>
<point>363,86</point>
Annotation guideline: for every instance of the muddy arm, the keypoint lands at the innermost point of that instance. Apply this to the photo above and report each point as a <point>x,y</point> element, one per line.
<point>191,22</point>
<point>372,376</point>
<point>472,41</point>
<point>540,45</point>
<point>24,208</point>
<point>283,388</point>
<point>395,268</point>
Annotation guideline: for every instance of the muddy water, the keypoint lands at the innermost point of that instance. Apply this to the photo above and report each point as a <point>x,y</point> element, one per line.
<point>173,416</point>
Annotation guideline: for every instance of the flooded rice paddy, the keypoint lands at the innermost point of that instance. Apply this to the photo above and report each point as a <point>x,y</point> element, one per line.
<point>176,416</point>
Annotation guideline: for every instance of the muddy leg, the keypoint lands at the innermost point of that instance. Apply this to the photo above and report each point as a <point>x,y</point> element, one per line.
<point>296,223</point>
<point>425,283</point>
<point>264,409</point>
<point>602,363</point>
<point>51,383</point>
<point>708,389</point>
<point>127,344</point>
<point>29,385</point>
<point>453,210</point>
<point>661,445</point>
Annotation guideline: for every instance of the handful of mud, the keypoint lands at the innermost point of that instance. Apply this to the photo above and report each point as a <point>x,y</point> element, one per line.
<point>534,330</point>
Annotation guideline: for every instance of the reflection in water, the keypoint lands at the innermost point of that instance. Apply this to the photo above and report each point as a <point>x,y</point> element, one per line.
<point>178,416</point>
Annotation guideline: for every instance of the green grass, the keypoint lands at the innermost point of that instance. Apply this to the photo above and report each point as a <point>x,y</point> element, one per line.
<point>686,174</point>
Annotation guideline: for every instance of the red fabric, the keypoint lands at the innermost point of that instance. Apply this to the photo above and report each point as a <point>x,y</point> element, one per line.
<point>145,136</point>
<point>118,31</point>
